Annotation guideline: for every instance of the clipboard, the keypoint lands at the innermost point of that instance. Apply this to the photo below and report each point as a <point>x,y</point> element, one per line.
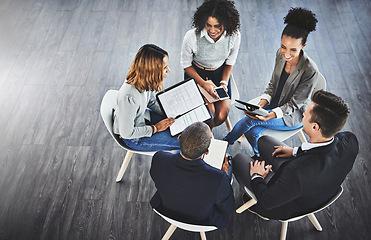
<point>184,102</point>
<point>252,109</point>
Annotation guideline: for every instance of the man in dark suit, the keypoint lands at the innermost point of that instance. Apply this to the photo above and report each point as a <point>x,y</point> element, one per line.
<point>297,181</point>
<point>188,189</point>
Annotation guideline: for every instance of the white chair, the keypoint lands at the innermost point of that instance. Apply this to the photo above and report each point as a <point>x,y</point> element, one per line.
<point>109,102</point>
<point>282,135</point>
<point>185,226</point>
<point>285,223</point>
<point>249,203</point>
<point>235,95</point>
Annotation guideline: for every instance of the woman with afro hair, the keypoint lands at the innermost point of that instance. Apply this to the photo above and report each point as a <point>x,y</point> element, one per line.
<point>210,49</point>
<point>293,80</point>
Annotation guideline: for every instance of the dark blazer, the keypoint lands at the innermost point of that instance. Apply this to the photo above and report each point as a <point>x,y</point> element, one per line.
<point>297,91</point>
<point>307,181</point>
<point>191,191</point>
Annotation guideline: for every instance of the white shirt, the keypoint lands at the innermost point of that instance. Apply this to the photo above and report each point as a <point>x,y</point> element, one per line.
<point>189,47</point>
<point>305,146</point>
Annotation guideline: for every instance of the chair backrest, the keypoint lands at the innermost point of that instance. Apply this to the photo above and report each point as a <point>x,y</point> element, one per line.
<point>187,226</point>
<point>321,84</point>
<point>328,203</point>
<point>109,102</point>
<point>332,200</point>
<point>234,90</point>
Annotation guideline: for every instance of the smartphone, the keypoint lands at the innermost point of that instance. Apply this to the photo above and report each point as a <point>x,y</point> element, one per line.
<point>220,91</point>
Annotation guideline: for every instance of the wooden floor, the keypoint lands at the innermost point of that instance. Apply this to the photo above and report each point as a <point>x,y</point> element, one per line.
<point>57,161</point>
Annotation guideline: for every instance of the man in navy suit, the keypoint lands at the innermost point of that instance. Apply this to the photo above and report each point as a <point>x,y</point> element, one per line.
<point>297,181</point>
<point>188,189</point>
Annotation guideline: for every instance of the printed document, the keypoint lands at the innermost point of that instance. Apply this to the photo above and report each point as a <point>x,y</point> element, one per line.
<point>185,103</point>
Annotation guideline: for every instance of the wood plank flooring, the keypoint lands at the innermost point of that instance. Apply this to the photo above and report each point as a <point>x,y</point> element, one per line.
<point>57,161</point>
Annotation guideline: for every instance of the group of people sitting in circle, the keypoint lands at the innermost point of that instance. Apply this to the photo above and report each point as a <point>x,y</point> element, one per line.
<point>286,181</point>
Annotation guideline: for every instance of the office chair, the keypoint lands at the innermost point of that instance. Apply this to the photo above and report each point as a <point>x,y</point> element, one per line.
<point>185,226</point>
<point>235,95</point>
<point>109,102</point>
<point>285,223</point>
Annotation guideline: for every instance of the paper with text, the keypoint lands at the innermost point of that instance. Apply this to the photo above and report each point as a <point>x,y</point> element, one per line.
<point>199,114</point>
<point>181,99</point>
<point>216,155</point>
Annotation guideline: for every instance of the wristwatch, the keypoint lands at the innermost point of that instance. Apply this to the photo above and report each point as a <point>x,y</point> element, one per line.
<point>224,82</point>
<point>256,175</point>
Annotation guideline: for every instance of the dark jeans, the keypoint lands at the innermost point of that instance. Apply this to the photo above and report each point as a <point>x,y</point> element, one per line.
<point>157,142</point>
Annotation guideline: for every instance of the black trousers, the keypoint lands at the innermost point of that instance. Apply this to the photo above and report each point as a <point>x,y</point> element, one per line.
<point>241,162</point>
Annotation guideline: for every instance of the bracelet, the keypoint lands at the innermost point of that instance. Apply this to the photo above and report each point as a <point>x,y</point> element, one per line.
<point>154,129</point>
<point>224,82</point>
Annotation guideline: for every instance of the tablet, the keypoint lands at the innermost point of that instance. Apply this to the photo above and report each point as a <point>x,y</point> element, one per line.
<point>252,109</point>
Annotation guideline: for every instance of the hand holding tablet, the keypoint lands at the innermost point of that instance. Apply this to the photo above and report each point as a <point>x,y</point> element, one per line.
<point>252,109</point>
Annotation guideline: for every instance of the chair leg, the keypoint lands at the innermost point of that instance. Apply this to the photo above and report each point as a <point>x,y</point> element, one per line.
<point>124,165</point>
<point>284,230</point>
<point>301,136</point>
<point>241,138</point>
<point>246,206</point>
<point>314,221</point>
<point>203,235</point>
<point>228,124</point>
<point>169,232</point>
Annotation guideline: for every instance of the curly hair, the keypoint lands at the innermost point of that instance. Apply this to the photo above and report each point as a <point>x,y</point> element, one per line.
<point>223,10</point>
<point>147,71</point>
<point>300,22</point>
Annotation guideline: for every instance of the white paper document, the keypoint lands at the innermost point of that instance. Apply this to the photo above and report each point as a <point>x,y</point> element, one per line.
<point>183,102</point>
<point>199,114</point>
<point>181,99</point>
<point>216,155</point>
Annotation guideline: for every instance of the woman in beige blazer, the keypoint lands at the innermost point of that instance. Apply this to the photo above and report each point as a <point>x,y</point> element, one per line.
<point>291,85</point>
